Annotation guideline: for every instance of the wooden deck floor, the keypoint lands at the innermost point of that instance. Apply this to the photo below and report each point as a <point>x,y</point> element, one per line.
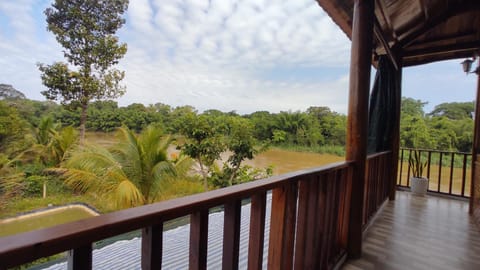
<point>421,233</point>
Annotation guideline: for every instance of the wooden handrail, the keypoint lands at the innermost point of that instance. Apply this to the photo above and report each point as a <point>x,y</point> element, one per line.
<point>23,248</point>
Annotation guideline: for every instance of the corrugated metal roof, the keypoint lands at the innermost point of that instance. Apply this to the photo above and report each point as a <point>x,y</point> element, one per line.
<point>125,254</point>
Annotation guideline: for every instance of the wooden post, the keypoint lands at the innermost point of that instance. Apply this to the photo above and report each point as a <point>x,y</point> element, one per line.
<point>396,136</point>
<point>475,152</point>
<point>357,125</point>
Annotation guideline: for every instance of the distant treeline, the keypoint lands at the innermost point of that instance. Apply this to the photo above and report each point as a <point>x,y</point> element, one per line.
<point>448,127</point>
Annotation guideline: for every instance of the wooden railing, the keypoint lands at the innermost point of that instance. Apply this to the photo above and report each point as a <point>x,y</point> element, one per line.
<point>448,172</point>
<point>310,236</point>
<point>377,183</point>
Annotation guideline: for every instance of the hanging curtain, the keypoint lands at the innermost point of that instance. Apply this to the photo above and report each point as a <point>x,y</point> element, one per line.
<point>382,111</point>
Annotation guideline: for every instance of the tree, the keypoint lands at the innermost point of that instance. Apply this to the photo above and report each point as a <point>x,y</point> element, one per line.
<point>86,30</point>
<point>454,110</point>
<point>131,173</point>
<point>204,142</point>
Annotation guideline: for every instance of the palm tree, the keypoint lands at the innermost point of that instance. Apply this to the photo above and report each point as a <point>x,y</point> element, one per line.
<point>131,173</point>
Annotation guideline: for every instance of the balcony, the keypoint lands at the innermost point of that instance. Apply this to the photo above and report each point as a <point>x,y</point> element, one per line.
<point>318,215</point>
<point>421,233</point>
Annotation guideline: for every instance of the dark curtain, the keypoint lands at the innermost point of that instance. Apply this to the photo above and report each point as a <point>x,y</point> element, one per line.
<point>382,111</point>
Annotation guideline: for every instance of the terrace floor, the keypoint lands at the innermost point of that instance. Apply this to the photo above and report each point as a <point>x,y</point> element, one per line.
<point>421,233</point>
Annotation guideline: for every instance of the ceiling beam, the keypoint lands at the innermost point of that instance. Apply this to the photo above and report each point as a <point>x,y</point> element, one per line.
<point>442,49</point>
<point>415,61</point>
<point>377,29</point>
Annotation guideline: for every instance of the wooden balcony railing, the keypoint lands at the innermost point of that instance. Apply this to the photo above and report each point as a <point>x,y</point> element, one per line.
<point>377,183</point>
<point>312,234</point>
<point>448,172</point>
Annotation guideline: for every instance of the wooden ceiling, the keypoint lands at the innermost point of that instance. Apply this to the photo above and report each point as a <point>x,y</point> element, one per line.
<point>417,31</point>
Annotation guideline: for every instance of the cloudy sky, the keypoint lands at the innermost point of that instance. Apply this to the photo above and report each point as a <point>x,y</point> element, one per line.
<point>242,55</point>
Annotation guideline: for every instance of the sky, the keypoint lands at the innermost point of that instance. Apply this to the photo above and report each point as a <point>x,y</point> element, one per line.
<point>230,55</point>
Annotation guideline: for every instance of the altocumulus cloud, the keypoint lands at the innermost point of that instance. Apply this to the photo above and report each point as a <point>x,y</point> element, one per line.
<point>230,55</point>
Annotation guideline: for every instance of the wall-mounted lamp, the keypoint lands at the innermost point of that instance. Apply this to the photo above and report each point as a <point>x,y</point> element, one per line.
<point>467,66</point>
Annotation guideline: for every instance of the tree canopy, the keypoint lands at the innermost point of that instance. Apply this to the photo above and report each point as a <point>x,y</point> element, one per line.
<point>86,30</point>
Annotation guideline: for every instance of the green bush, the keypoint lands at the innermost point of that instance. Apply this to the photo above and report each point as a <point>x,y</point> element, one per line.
<point>34,185</point>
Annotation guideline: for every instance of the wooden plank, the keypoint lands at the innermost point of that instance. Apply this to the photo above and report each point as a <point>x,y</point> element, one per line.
<point>152,244</point>
<point>395,146</point>
<point>474,206</point>
<point>257,231</point>
<point>357,125</point>
<point>302,217</point>
<point>198,240</point>
<point>231,235</point>
<point>80,258</point>
<point>311,226</point>
<point>282,227</point>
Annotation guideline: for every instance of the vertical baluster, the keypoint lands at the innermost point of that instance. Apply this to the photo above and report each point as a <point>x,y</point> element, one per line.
<point>312,231</point>
<point>80,258</point>
<point>257,231</point>
<point>301,236</point>
<point>464,173</point>
<point>408,171</point>
<point>198,240</point>
<point>451,173</point>
<point>231,235</point>
<point>282,227</point>
<point>328,220</point>
<point>152,238</point>
<point>429,160</point>
<point>401,168</point>
<point>440,171</point>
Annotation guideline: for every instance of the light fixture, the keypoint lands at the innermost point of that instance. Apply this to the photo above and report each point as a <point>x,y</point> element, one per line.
<point>467,66</point>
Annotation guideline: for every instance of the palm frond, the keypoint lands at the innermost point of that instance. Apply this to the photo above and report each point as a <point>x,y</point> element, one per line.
<point>127,195</point>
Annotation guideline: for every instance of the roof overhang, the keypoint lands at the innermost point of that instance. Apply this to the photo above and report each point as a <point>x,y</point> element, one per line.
<point>417,31</point>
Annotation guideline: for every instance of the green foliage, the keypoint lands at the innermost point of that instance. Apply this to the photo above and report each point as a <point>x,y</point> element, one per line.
<point>131,173</point>
<point>417,164</point>
<point>86,31</point>
<point>34,185</point>
<point>454,110</point>
<point>12,130</point>
<point>221,178</point>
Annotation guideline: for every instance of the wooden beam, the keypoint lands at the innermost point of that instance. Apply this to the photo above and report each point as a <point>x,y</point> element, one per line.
<point>473,206</point>
<point>198,240</point>
<point>231,235</point>
<point>383,41</point>
<point>395,146</point>
<point>442,49</point>
<point>382,9</point>
<point>357,125</point>
<point>282,227</point>
<point>257,231</point>
<point>416,60</point>
<point>80,258</point>
<point>152,243</point>
<point>335,12</point>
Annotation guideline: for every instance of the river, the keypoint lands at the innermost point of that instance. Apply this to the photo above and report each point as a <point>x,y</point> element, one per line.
<point>287,161</point>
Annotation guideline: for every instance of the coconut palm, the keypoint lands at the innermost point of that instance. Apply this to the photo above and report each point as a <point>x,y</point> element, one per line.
<point>131,173</point>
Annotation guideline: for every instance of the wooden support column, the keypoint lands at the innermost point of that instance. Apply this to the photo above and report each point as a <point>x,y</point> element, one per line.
<point>474,208</point>
<point>396,136</point>
<point>357,125</point>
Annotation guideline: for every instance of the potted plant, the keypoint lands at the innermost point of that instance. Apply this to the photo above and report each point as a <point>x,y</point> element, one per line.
<point>418,183</point>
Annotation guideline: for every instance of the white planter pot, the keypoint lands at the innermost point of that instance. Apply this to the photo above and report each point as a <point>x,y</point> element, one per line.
<point>419,186</point>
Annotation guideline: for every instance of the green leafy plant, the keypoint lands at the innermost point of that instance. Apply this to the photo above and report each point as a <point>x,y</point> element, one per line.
<point>417,164</point>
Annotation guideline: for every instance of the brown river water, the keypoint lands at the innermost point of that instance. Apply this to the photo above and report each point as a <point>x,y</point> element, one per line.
<point>287,161</point>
